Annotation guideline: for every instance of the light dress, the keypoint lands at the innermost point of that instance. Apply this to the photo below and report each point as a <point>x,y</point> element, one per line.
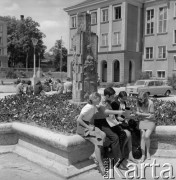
<point>145,122</point>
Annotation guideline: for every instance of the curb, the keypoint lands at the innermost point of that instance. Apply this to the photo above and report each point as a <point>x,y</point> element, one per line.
<point>67,156</point>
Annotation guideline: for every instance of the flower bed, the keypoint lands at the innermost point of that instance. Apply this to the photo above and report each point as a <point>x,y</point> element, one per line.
<point>56,113</point>
<point>165,111</point>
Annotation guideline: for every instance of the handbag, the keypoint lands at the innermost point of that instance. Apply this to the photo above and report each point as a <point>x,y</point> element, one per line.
<point>137,152</point>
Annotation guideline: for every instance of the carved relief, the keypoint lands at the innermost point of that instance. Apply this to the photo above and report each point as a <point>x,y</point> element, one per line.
<point>89,67</point>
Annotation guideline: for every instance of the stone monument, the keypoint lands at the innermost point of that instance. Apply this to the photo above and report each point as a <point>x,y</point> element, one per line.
<point>85,57</point>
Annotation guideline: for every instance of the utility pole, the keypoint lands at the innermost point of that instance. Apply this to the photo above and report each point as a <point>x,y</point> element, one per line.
<point>61,60</point>
<point>61,56</point>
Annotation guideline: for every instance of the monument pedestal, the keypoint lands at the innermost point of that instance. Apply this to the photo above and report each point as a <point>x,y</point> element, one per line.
<point>85,57</point>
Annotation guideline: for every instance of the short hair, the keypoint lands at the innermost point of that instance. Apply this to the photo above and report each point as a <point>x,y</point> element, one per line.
<point>29,82</point>
<point>68,79</point>
<point>93,96</point>
<point>23,81</point>
<point>122,94</point>
<point>109,91</point>
<point>58,80</point>
<point>38,82</point>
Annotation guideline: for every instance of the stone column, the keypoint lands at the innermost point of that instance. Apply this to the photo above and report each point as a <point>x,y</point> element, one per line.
<point>85,59</point>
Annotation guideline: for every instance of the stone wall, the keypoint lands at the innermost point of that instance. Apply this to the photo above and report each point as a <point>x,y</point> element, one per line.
<point>67,155</point>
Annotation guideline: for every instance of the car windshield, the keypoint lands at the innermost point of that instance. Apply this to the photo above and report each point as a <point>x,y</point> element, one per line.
<point>140,83</point>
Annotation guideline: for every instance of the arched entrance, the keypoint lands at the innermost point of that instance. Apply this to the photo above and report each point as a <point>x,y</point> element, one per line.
<point>116,71</point>
<point>104,71</point>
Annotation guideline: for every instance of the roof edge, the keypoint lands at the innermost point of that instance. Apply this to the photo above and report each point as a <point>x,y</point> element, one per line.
<point>84,4</point>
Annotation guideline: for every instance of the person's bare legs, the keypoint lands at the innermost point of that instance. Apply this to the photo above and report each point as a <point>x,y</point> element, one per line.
<point>147,141</point>
<point>98,151</point>
<point>129,143</point>
<point>98,155</point>
<point>143,145</point>
<point>99,159</point>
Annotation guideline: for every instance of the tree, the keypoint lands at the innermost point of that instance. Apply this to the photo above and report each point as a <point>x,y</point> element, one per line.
<point>19,43</point>
<point>56,51</point>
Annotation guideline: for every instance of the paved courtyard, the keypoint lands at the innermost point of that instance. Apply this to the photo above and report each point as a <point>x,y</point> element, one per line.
<point>16,167</point>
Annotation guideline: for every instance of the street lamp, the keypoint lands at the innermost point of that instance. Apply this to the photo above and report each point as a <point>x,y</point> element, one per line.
<point>34,42</point>
<point>38,72</point>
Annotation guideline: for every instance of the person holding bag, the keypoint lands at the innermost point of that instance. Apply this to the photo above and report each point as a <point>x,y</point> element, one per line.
<point>145,113</point>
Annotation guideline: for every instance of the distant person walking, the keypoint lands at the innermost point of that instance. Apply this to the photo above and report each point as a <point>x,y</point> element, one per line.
<point>68,86</point>
<point>20,88</point>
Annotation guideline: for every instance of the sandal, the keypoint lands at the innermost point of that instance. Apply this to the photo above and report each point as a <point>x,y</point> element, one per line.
<point>101,170</point>
<point>120,165</point>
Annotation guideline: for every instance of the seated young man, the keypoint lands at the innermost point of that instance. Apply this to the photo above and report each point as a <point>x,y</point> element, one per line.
<point>104,117</point>
<point>120,104</point>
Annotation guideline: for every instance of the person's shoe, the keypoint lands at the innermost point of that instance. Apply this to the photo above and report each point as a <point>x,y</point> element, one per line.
<point>123,167</point>
<point>120,165</point>
<point>101,170</point>
<point>148,156</point>
<point>142,159</point>
<point>133,160</point>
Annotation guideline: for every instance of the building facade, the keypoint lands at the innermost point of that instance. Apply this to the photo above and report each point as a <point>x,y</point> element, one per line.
<point>119,26</point>
<point>3,44</point>
<point>159,53</point>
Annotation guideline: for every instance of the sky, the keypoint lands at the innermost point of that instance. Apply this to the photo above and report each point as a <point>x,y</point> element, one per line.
<point>49,14</point>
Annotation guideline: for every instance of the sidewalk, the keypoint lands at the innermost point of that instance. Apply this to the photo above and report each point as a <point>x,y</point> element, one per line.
<point>143,173</point>
<point>13,166</point>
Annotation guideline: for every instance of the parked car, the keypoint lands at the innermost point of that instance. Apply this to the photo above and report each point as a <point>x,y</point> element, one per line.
<point>152,87</point>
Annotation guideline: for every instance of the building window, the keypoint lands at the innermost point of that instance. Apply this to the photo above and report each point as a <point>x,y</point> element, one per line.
<point>174,9</point>
<point>0,64</point>
<point>161,74</point>
<point>150,21</point>
<point>104,15</point>
<point>149,73</point>
<point>104,41</point>
<point>174,37</point>
<point>116,38</point>
<point>149,53</point>
<point>0,51</point>
<point>94,18</point>
<point>117,12</point>
<point>161,52</point>
<point>0,40</point>
<point>1,28</point>
<point>162,20</point>
<point>73,22</point>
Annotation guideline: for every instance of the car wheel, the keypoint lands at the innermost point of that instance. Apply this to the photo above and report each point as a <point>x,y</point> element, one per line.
<point>167,93</point>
